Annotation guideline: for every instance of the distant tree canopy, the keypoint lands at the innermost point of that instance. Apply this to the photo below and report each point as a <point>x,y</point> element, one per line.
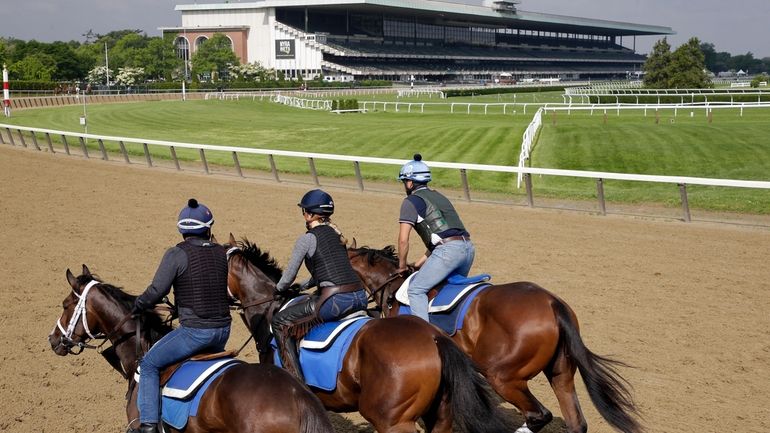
<point>682,69</point>
<point>717,62</point>
<point>214,56</point>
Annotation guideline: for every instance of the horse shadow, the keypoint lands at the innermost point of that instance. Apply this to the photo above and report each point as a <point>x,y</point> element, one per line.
<point>346,425</point>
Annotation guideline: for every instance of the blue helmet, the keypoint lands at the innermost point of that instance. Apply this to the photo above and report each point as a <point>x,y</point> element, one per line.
<point>317,202</point>
<point>416,171</point>
<point>194,219</point>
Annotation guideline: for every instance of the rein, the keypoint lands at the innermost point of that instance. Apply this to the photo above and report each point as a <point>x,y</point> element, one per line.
<point>372,293</point>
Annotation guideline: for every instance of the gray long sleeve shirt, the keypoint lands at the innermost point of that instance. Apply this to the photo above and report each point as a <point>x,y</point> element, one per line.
<point>303,248</point>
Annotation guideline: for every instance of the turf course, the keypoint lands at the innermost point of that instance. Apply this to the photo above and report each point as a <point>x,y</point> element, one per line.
<point>731,147</point>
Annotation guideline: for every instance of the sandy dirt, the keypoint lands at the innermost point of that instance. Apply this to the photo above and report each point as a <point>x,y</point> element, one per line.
<point>688,305</point>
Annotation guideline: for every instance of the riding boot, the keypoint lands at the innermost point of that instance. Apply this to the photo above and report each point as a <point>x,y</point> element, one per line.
<point>146,427</point>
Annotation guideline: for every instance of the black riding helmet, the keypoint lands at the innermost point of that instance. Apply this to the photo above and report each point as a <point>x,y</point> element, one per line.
<point>317,202</point>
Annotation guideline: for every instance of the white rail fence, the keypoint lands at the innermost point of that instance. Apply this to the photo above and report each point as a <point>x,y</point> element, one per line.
<point>7,137</point>
<point>309,104</point>
<point>527,142</point>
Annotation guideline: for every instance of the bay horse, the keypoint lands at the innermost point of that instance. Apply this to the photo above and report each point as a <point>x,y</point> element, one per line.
<point>395,372</point>
<point>513,332</point>
<point>245,398</point>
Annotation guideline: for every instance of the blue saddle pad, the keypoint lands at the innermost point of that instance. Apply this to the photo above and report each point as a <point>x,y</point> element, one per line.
<point>453,303</point>
<point>182,394</point>
<point>323,349</point>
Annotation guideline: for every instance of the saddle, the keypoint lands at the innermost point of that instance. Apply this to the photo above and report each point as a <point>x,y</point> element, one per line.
<point>169,371</point>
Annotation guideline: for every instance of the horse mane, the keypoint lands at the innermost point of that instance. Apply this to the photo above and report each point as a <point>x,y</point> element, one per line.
<point>154,325</point>
<point>374,255</point>
<point>261,259</point>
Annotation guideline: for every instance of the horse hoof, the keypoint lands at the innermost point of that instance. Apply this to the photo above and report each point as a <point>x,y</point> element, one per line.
<point>523,429</point>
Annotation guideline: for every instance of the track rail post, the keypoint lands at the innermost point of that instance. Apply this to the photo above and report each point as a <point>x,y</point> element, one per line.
<point>600,196</point>
<point>203,160</point>
<point>685,202</point>
<point>359,178</point>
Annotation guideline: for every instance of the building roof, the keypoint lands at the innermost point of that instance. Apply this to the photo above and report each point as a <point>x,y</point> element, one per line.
<point>456,11</point>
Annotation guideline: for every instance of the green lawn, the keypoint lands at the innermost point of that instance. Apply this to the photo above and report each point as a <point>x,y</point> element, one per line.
<point>731,147</point>
<point>491,139</point>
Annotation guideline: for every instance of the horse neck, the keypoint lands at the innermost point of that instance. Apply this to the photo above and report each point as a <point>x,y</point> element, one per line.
<point>111,313</point>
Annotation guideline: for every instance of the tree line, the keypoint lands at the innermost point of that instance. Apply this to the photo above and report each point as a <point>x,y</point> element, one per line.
<point>690,66</point>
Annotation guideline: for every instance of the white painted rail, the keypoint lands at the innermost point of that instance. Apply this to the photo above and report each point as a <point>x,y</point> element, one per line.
<point>7,137</point>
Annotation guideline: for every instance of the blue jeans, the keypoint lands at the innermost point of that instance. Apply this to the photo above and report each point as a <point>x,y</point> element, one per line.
<point>451,257</point>
<point>342,304</point>
<point>175,346</point>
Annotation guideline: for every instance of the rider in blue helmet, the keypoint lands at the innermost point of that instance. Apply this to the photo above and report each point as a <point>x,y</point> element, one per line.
<point>197,270</point>
<point>340,292</point>
<point>448,243</point>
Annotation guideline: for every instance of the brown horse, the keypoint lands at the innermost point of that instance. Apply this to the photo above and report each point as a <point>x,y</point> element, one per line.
<point>513,332</point>
<point>245,398</point>
<point>395,372</point>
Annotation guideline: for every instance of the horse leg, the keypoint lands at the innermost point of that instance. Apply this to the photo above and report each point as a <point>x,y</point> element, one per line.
<point>439,418</point>
<point>561,376</point>
<point>516,392</point>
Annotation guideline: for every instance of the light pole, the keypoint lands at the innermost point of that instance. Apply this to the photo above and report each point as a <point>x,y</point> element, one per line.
<point>107,67</point>
<point>185,54</point>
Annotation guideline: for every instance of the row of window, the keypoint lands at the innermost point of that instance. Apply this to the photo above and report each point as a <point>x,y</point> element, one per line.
<point>182,45</point>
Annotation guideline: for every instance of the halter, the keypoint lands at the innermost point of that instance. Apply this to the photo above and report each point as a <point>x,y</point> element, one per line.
<point>79,314</point>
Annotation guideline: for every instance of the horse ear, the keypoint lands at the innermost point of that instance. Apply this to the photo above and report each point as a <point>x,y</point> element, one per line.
<point>86,271</point>
<point>232,240</point>
<point>72,280</point>
<point>353,245</point>
<point>214,239</point>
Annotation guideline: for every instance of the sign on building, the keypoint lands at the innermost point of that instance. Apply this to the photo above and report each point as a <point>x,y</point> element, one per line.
<point>284,48</point>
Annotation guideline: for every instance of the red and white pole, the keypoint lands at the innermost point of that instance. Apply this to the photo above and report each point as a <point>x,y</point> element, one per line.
<point>6,93</point>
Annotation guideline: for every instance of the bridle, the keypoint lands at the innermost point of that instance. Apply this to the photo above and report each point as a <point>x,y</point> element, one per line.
<point>383,301</point>
<point>80,314</point>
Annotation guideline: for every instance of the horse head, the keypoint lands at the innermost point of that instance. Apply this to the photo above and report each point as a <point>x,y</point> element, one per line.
<point>378,270</point>
<point>81,319</point>
<point>251,279</point>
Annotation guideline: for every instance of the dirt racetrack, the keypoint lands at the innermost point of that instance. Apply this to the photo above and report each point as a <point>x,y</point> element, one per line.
<point>688,305</point>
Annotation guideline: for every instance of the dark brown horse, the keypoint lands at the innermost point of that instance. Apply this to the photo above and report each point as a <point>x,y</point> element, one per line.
<point>245,398</point>
<point>395,372</point>
<point>513,332</point>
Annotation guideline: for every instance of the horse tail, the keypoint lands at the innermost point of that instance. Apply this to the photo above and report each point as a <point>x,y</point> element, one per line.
<point>313,417</point>
<point>609,391</point>
<point>467,391</point>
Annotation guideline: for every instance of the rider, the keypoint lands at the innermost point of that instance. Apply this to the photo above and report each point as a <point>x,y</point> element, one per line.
<point>197,269</point>
<point>433,217</point>
<point>340,292</point>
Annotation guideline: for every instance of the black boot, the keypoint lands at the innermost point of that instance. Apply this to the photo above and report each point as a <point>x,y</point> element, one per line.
<point>146,427</point>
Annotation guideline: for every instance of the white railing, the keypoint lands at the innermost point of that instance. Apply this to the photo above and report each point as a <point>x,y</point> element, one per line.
<point>707,107</point>
<point>7,137</point>
<point>527,142</point>
<point>309,104</point>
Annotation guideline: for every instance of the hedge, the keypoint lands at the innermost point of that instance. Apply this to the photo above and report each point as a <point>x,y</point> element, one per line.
<point>500,90</point>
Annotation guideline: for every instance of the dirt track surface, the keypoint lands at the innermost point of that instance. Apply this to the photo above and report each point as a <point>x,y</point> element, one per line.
<point>688,305</point>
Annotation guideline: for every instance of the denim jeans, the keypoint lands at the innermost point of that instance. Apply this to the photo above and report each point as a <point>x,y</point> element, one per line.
<point>342,304</point>
<point>451,257</point>
<point>177,345</point>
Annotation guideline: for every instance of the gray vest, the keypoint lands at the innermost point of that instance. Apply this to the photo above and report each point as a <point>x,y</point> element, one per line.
<point>440,216</point>
<point>330,261</point>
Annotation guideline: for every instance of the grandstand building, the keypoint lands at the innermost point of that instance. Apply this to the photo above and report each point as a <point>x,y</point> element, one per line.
<point>425,39</point>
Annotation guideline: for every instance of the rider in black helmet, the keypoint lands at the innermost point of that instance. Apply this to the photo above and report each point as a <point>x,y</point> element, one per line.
<point>340,292</point>
<point>197,269</point>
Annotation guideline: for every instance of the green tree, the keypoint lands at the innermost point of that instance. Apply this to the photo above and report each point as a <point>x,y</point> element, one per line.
<point>37,66</point>
<point>214,56</point>
<point>656,67</point>
<point>762,78</point>
<point>686,69</point>
<point>746,62</point>
<point>159,58</point>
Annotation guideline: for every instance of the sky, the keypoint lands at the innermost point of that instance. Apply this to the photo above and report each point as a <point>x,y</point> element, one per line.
<point>737,27</point>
